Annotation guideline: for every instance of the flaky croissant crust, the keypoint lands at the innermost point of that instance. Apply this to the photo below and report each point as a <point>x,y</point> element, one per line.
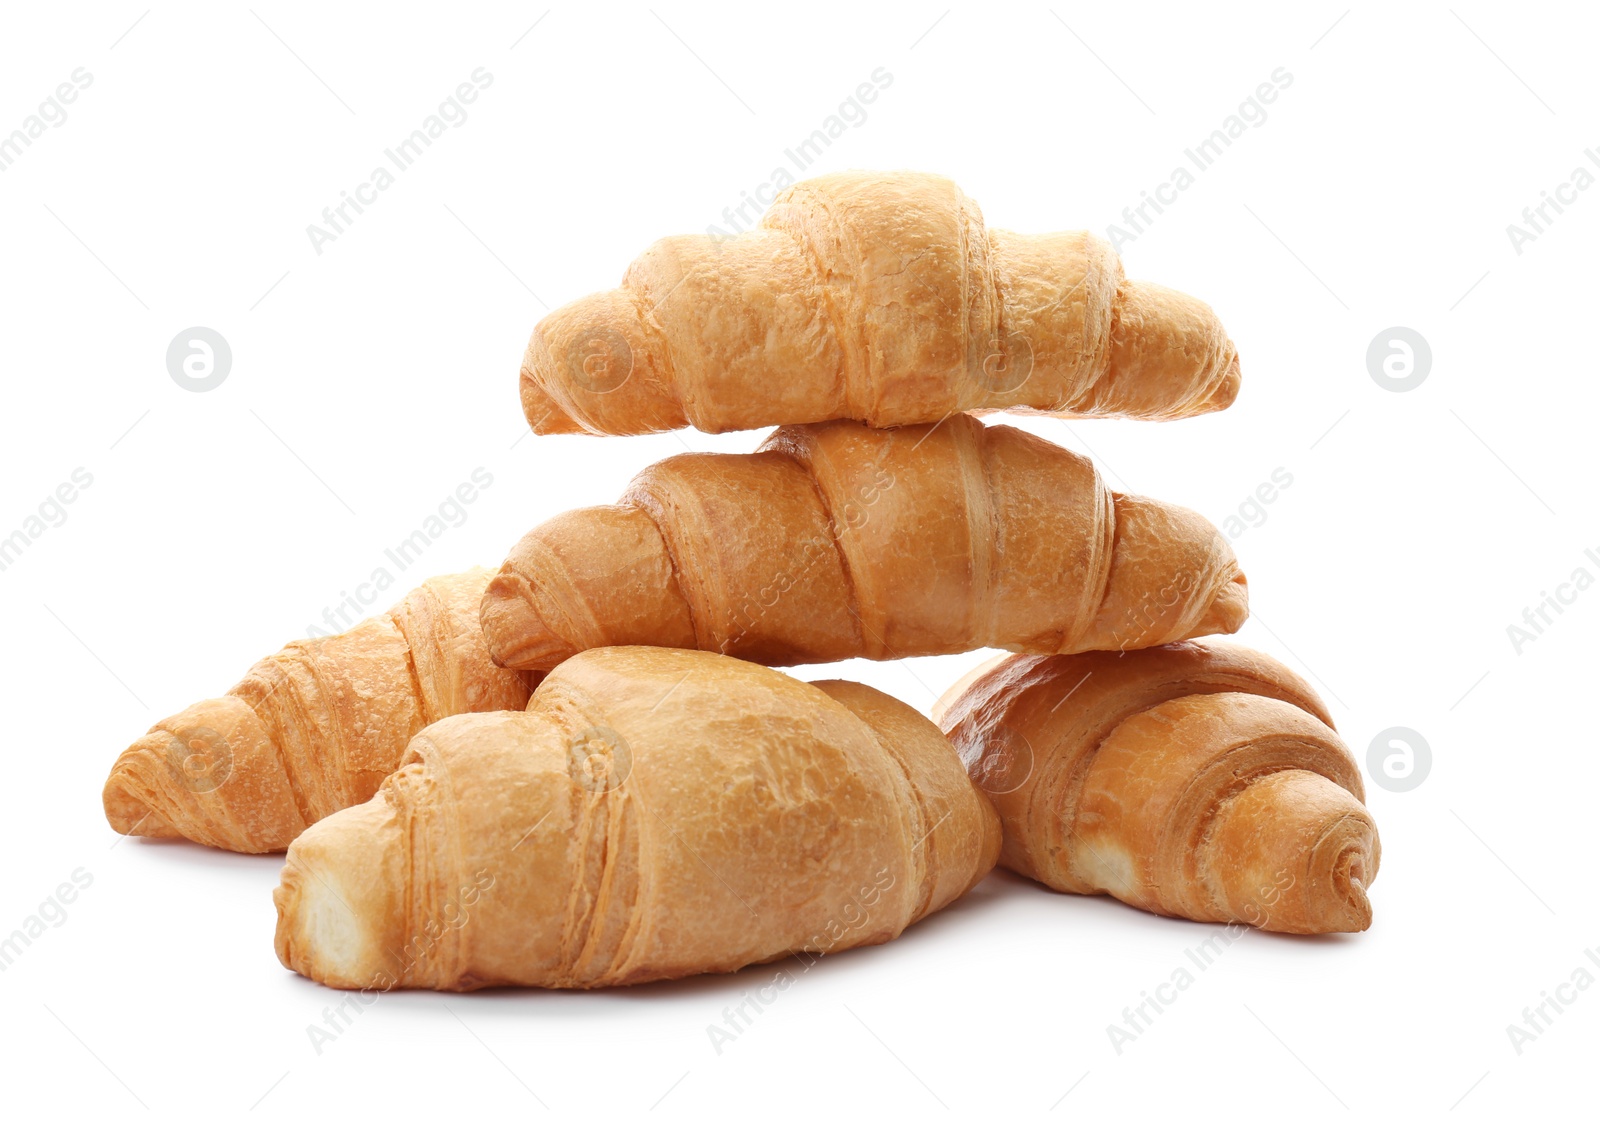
<point>654,813</point>
<point>313,728</point>
<point>1199,779</point>
<point>838,541</point>
<point>874,297</point>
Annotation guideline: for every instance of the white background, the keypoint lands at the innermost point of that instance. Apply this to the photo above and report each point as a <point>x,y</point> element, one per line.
<point>370,380</point>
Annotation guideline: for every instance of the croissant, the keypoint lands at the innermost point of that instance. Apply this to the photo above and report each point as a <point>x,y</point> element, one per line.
<point>841,541</point>
<point>653,814</point>
<point>875,297</point>
<point>1199,779</point>
<point>313,728</point>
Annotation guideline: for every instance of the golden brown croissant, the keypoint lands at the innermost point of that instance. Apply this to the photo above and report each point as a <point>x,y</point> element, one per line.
<point>841,541</point>
<point>876,297</point>
<point>313,728</point>
<point>1199,779</point>
<point>654,813</point>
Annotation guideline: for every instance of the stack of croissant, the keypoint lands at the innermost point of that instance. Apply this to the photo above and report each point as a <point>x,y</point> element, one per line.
<point>578,771</point>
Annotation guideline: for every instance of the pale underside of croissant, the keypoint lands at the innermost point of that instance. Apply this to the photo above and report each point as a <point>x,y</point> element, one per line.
<point>874,297</point>
<point>841,541</point>
<point>1200,779</point>
<point>313,728</point>
<point>653,814</point>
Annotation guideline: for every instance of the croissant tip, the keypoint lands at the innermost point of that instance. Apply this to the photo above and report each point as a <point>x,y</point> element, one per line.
<point>1229,609</point>
<point>513,628</point>
<point>1343,866</point>
<point>1350,890</point>
<point>1227,390</point>
<point>544,416</point>
<point>129,813</point>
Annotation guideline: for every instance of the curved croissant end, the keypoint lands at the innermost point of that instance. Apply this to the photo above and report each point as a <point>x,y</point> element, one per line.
<point>313,728</point>
<point>1198,779</point>
<point>210,774</point>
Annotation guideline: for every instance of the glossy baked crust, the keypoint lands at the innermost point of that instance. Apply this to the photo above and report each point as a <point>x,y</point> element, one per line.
<point>1199,779</point>
<point>313,728</point>
<point>654,813</point>
<point>841,541</point>
<point>873,297</point>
